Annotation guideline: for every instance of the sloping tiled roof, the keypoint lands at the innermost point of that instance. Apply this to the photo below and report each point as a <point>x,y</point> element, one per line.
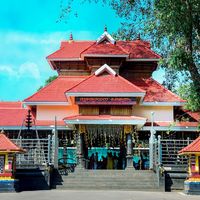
<point>194,147</point>
<point>70,50</point>
<point>136,49</point>
<point>101,117</point>
<point>155,92</point>
<point>105,48</point>
<point>10,104</point>
<point>12,116</point>
<point>105,83</point>
<point>7,145</point>
<point>174,124</point>
<point>194,115</point>
<point>55,91</point>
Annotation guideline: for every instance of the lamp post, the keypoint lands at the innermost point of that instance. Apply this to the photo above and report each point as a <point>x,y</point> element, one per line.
<point>151,141</point>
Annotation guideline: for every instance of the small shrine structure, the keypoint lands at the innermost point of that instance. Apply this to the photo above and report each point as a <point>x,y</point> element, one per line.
<point>8,151</point>
<point>192,184</point>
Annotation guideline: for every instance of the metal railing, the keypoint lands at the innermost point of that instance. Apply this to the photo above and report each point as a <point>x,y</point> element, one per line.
<point>170,149</point>
<point>38,152</point>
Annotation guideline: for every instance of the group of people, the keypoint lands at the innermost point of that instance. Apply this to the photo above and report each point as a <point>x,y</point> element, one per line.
<point>111,161</point>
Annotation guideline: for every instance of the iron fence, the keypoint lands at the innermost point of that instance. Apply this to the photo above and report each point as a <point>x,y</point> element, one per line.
<point>170,149</point>
<point>38,152</point>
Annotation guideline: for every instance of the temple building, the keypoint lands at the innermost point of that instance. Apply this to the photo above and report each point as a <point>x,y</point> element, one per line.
<point>104,100</point>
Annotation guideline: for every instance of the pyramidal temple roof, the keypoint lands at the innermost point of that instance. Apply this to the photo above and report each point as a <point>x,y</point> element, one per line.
<point>7,145</point>
<point>105,45</point>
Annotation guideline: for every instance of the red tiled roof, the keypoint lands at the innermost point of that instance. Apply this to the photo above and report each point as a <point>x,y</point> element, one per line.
<point>105,48</point>
<point>194,115</point>
<point>55,91</point>
<point>10,104</point>
<point>7,145</point>
<point>175,124</point>
<point>136,49</point>
<point>70,50</point>
<point>103,117</point>
<point>12,117</point>
<point>155,92</point>
<point>193,147</point>
<point>105,83</point>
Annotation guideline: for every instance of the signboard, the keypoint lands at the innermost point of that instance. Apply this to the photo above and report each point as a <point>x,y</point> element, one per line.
<point>105,100</point>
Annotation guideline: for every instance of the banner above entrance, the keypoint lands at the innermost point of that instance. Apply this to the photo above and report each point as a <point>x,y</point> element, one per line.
<point>105,100</point>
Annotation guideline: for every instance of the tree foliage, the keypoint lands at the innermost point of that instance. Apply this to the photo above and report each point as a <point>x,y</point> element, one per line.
<point>173,27</point>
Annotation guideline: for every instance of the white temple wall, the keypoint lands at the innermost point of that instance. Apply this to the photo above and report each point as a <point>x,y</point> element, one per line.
<point>162,113</point>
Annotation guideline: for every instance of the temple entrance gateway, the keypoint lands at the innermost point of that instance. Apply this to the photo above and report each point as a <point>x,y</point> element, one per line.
<point>110,147</point>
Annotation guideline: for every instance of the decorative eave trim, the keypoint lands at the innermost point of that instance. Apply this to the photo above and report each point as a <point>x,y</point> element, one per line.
<point>106,68</point>
<point>142,59</point>
<point>106,55</point>
<point>106,121</point>
<point>156,103</point>
<point>65,59</point>
<point>189,153</point>
<point>113,94</point>
<point>37,103</point>
<point>107,36</point>
<point>167,128</point>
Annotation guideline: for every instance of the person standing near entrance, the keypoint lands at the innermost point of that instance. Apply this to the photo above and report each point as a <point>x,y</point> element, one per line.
<point>109,161</point>
<point>115,160</point>
<point>96,160</point>
<point>92,161</point>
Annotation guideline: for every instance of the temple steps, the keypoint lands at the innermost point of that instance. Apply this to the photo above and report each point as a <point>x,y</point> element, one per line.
<point>108,180</point>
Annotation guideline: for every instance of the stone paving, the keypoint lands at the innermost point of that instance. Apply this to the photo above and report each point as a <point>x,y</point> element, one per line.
<point>96,195</point>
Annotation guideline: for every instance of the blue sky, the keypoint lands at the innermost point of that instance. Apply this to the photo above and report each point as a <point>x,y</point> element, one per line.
<point>29,32</point>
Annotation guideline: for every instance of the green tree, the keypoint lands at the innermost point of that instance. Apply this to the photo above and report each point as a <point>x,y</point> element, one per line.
<point>173,26</point>
<point>47,81</point>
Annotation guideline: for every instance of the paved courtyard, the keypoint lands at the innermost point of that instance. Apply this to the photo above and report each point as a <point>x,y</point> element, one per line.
<point>95,195</point>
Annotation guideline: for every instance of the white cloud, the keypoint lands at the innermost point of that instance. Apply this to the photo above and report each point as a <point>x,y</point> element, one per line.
<point>27,69</point>
<point>7,70</point>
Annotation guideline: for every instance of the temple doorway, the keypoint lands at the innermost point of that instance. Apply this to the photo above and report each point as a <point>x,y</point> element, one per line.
<point>104,147</point>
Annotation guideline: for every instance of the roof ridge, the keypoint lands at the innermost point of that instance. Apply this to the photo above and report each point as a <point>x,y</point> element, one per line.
<point>175,95</point>
<point>123,49</point>
<point>80,82</point>
<point>87,48</point>
<point>61,48</point>
<point>131,83</point>
<point>41,89</point>
<point>149,49</point>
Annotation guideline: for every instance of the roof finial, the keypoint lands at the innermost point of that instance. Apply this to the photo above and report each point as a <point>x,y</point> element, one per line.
<point>138,36</point>
<point>105,28</point>
<point>70,37</point>
<point>2,131</point>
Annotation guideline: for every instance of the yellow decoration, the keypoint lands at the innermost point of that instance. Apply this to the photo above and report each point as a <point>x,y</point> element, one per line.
<point>82,128</point>
<point>128,129</point>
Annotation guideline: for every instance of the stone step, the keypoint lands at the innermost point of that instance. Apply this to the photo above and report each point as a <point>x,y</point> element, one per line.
<point>110,187</point>
<point>108,179</point>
